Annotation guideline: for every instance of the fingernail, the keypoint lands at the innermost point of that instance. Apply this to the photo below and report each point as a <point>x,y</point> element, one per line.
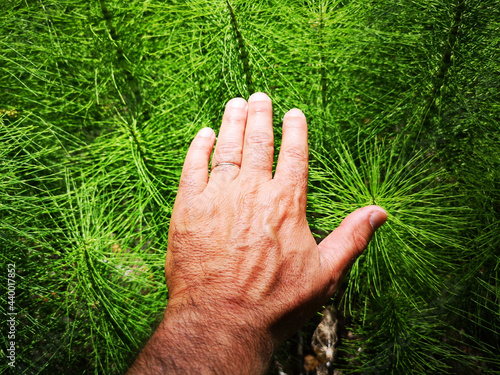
<point>259,96</point>
<point>206,132</point>
<point>237,103</point>
<point>377,218</point>
<point>295,112</point>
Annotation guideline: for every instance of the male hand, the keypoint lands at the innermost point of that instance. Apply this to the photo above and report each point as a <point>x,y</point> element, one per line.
<point>243,269</point>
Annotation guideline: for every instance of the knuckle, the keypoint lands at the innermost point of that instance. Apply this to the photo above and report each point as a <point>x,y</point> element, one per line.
<point>261,107</point>
<point>359,240</point>
<point>229,148</point>
<point>235,117</point>
<point>260,139</point>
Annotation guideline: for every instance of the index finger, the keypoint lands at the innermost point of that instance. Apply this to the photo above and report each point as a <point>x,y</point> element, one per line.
<point>194,177</point>
<point>293,160</point>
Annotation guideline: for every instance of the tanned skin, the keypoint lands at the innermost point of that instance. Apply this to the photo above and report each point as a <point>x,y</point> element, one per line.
<point>243,269</point>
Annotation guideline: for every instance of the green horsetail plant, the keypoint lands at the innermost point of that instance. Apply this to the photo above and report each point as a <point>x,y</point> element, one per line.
<point>395,289</point>
<point>100,100</point>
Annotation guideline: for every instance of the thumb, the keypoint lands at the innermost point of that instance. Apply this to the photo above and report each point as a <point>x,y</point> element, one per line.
<point>341,248</point>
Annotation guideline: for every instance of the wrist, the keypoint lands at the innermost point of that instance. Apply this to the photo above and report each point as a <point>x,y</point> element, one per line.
<point>235,340</point>
<point>206,339</point>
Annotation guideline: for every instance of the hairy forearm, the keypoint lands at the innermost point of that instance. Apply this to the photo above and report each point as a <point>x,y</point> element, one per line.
<point>190,341</point>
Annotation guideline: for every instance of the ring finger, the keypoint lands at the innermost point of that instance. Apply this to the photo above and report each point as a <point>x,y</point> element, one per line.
<point>226,161</point>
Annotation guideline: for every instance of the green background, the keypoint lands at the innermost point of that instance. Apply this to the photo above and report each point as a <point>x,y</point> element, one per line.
<point>99,101</point>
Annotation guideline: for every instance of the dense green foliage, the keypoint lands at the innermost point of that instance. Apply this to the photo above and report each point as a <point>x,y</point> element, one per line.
<point>100,100</point>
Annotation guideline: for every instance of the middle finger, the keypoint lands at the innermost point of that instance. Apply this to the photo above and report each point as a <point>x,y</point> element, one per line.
<point>258,149</point>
